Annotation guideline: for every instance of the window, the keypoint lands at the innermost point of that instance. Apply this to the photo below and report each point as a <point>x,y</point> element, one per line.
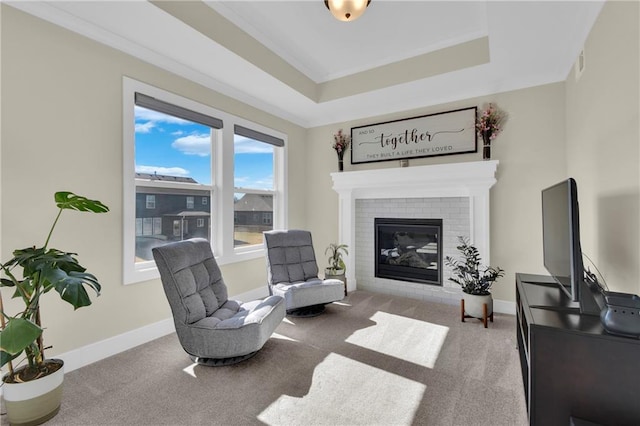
<point>254,170</point>
<point>194,171</point>
<point>148,226</point>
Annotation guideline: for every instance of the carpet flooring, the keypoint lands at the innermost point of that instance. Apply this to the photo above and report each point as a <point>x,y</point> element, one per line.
<point>371,359</point>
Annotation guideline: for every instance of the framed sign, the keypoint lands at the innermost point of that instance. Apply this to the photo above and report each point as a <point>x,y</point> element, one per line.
<point>445,133</point>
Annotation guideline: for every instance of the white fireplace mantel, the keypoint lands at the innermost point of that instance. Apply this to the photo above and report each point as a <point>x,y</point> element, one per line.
<point>470,179</point>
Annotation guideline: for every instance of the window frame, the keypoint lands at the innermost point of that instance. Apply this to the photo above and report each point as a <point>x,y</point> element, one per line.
<point>221,189</point>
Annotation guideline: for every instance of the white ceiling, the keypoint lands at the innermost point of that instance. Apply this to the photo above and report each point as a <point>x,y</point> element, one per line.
<point>307,36</point>
<point>529,43</point>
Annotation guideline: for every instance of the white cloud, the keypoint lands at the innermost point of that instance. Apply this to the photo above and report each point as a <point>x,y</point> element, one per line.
<point>253,183</point>
<point>169,171</point>
<point>244,145</point>
<point>144,114</point>
<point>196,144</point>
<point>145,127</point>
<point>177,133</point>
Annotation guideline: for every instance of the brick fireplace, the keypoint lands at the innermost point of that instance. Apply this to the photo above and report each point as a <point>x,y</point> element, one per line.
<point>457,194</point>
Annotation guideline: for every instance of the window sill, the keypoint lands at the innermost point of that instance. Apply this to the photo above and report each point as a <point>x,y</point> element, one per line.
<point>148,270</point>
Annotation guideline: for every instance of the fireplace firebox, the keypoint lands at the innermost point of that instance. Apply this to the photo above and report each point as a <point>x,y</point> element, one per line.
<point>409,250</point>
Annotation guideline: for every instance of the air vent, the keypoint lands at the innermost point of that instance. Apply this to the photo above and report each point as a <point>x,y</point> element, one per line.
<point>579,65</point>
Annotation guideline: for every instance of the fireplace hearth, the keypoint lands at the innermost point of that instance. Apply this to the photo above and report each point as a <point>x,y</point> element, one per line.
<point>409,250</point>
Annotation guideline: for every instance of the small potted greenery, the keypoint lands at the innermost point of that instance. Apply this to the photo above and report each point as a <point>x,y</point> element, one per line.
<point>336,263</point>
<point>337,268</point>
<point>476,280</point>
<point>33,392</point>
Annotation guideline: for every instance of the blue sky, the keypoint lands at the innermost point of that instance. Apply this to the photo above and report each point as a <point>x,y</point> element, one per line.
<point>172,146</point>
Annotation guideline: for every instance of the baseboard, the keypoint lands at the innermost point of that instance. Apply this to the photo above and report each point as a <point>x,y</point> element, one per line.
<point>504,306</point>
<point>95,352</point>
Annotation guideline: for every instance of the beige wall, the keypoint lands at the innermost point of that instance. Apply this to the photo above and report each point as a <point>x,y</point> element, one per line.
<point>603,144</point>
<point>530,159</point>
<point>62,116</point>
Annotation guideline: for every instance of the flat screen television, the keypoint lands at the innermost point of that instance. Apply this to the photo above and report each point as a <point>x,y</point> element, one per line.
<point>562,253</point>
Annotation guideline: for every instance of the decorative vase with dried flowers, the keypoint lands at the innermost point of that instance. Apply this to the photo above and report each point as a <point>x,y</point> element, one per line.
<point>341,142</point>
<point>489,124</point>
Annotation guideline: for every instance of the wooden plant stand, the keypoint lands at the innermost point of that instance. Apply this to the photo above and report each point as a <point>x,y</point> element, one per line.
<point>484,314</point>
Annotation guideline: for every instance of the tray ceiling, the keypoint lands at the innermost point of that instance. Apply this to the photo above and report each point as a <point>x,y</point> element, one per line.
<point>294,60</point>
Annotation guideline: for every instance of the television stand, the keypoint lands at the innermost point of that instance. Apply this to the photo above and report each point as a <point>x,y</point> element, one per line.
<point>549,283</point>
<point>563,309</point>
<point>571,367</point>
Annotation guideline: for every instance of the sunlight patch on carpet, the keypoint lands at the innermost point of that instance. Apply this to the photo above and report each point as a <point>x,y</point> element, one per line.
<point>190,370</point>
<point>359,390</point>
<point>282,337</point>
<point>401,337</point>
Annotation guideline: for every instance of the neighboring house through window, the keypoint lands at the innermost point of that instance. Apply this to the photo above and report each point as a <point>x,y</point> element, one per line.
<point>253,198</point>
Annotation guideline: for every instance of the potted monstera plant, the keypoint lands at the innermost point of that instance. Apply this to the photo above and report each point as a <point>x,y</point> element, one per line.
<point>474,278</point>
<point>33,392</point>
<point>337,268</point>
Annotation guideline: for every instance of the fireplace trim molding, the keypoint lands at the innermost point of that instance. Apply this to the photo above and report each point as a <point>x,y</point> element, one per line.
<point>468,179</point>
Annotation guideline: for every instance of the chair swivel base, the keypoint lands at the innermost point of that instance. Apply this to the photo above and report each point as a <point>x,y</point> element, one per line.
<point>306,311</point>
<point>220,362</point>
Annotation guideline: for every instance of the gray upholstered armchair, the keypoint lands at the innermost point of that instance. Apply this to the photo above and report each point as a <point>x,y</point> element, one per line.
<point>293,273</point>
<point>212,329</point>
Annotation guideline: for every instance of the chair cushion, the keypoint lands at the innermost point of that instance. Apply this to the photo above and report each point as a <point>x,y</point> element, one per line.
<point>309,293</point>
<point>290,256</point>
<point>196,288</point>
<point>235,329</point>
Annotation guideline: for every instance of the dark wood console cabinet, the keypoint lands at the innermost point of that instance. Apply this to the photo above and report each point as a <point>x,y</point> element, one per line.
<point>571,367</point>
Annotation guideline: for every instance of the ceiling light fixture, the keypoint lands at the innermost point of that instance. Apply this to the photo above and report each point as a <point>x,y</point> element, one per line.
<point>347,10</point>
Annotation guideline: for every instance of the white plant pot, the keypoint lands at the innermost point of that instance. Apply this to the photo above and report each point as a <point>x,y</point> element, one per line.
<point>328,272</point>
<point>34,402</point>
<point>473,304</point>
<point>339,275</point>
